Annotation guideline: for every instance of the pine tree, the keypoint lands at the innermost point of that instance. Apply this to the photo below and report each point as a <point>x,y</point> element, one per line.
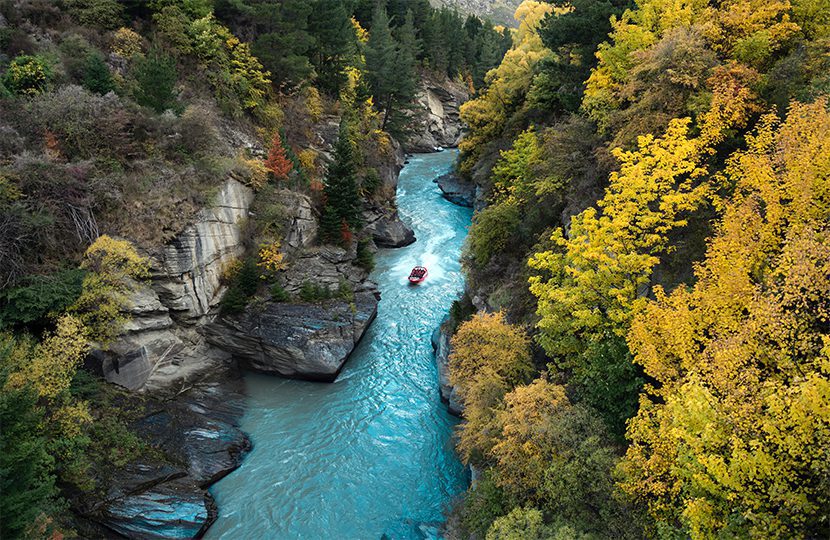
<point>334,43</point>
<point>341,213</point>
<point>97,77</point>
<point>277,161</point>
<point>156,77</point>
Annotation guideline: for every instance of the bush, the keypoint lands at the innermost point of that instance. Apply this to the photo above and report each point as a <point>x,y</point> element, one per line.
<point>86,125</point>
<point>371,182</point>
<point>27,75</point>
<point>312,292</point>
<point>365,258</point>
<point>156,76</point>
<point>242,288</point>
<point>104,14</point>
<point>278,293</point>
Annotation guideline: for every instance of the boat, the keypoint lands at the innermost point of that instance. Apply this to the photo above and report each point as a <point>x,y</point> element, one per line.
<point>418,274</point>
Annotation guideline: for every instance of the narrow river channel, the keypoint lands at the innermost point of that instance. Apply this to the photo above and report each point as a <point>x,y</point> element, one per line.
<point>370,455</point>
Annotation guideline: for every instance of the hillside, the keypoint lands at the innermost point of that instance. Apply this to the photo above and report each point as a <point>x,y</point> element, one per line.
<point>498,11</point>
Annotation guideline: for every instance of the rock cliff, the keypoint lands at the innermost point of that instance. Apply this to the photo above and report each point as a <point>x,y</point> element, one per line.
<point>437,111</point>
<point>441,344</point>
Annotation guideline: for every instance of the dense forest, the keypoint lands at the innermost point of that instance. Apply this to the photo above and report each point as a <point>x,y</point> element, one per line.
<point>651,255</point>
<point>643,350</point>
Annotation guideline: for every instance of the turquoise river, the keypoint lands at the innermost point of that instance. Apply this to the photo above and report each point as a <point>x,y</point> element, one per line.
<point>369,456</point>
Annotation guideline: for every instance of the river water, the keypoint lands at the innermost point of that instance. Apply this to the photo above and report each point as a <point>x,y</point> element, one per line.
<point>370,454</point>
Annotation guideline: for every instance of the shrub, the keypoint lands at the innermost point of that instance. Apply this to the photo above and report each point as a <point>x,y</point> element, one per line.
<point>371,182</point>
<point>313,292</point>
<point>278,293</point>
<point>156,77</point>
<point>40,297</point>
<point>126,43</point>
<point>85,125</point>
<point>242,288</point>
<point>106,14</point>
<point>27,75</point>
<point>365,258</point>
<point>277,161</point>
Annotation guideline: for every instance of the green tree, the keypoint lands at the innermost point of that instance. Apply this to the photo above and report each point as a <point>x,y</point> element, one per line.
<point>97,76</point>
<point>343,205</point>
<point>156,78</point>
<point>27,476</point>
<point>334,44</point>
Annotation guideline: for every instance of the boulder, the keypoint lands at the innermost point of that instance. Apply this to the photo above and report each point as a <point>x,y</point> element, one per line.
<point>456,190</point>
<point>306,341</point>
<point>387,229</point>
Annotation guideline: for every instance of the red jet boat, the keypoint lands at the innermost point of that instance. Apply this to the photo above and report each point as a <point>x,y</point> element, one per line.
<point>418,274</point>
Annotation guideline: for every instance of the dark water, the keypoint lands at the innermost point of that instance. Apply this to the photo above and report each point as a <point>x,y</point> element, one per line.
<point>370,454</point>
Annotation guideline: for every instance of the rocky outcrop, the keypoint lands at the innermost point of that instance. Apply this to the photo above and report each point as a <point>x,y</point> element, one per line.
<point>305,341</point>
<point>456,190</point>
<point>162,494</point>
<point>437,110</point>
<point>387,229</point>
<point>441,344</point>
<point>186,274</point>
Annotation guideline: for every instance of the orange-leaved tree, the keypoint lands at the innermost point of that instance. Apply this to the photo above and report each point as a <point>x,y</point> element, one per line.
<point>277,161</point>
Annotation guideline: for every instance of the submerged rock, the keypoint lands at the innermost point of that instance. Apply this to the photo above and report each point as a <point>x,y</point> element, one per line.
<point>456,190</point>
<point>304,341</point>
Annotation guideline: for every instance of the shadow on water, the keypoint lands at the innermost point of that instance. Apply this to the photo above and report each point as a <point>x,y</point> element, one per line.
<point>370,455</point>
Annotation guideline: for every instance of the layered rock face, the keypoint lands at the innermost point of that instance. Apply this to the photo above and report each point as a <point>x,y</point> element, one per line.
<point>438,105</point>
<point>185,286</point>
<point>449,395</point>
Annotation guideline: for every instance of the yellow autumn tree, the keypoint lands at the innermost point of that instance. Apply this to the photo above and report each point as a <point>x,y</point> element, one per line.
<point>489,357</point>
<point>111,265</point>
<point>506,84</point>
<point>732,439</point>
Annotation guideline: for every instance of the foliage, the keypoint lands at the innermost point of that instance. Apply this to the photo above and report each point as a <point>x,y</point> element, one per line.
<point>156,78</point>
<point>729,439</point>
<point>111,266</point>
<point>277,161</point>
<point>27,478</point>
<point>97,77</point>
<point>126,43</point>
<point>242,287</point>
<point>271,259</point>
<point>106,14</point>
<point>596,278</point>
<point>27,75</point>
<point>488,357</point>
<point>343,206</point>
<point>365,258</point>
<point>507,85</point>
<point>519,524</point>
<point>278,293</point>
<point>40,297</point>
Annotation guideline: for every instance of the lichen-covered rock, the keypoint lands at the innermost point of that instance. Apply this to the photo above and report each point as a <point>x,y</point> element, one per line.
<point>306,341</point>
